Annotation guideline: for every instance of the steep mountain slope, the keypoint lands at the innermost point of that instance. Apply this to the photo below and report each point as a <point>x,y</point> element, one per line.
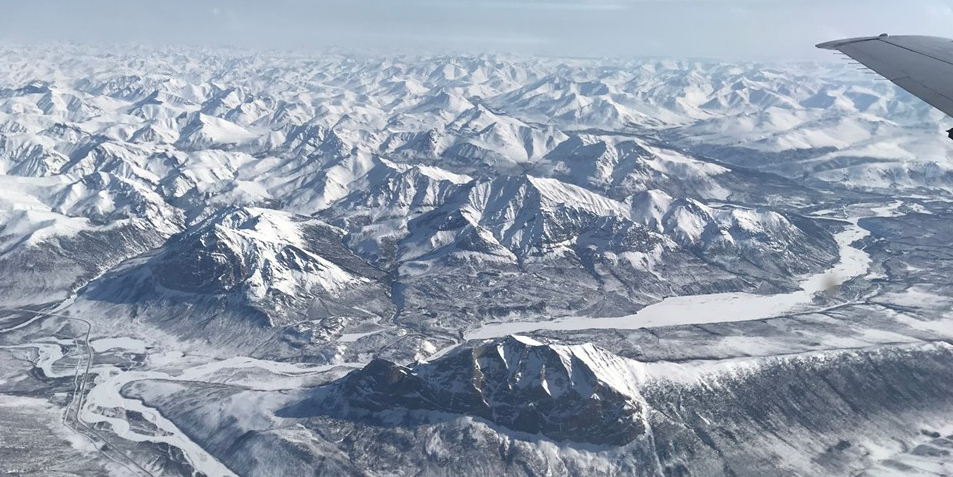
<point>56,234</point>
<point>567,393</point>
<point>537,186</point>
<point>221,262</point>
<point>521,407</point>
<point>519,239</point>
<point>377,215</point>
<point>259,267</point>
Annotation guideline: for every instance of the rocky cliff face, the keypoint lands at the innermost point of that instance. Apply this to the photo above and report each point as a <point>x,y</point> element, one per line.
<point>573,393</point>
<point>238,231</point>
<point>516,406</point>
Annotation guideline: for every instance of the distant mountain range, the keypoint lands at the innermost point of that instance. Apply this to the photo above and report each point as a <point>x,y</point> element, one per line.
<point>290,252</point>
<point>525,172</point>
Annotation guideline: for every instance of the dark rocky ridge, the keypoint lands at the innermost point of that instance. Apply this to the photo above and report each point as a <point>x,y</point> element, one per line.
<point>557,391</point>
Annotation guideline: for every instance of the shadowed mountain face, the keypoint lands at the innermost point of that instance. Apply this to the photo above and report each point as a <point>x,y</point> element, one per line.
<point>564,393</point>
<point>262,264</point>
<point>515,406</point>
<point>585,394</point>
<point>271,264</point>
<point>527,185</point>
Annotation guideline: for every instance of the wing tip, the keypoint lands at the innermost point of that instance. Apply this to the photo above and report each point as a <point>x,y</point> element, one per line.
<point>837,44</point>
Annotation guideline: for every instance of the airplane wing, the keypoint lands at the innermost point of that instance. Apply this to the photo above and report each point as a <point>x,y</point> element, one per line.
<point>922,65</point>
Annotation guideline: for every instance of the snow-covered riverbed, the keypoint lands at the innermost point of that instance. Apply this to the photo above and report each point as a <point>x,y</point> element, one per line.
<point>106,394</point>
<point>719,307</point>
<point>105,382</point>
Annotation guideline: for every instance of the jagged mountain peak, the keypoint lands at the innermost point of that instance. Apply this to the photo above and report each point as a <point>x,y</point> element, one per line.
<point>445,102</point>
<point>501,197</point>
<point>572,393</point>
<point>478,118</point>
<point>202,131</point>
<point>551,368</point>
<point>271,267</point>
<point>651,206</point>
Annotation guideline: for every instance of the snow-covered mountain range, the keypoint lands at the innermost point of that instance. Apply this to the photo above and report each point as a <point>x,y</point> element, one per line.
<point>285,254</point>
<point>516,169</point>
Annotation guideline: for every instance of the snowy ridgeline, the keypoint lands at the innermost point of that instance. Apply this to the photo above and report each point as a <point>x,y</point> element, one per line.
<point>714,229</point>
<point>311,197</point>
<point>517,406</point>
<point>543,183</point>
<point>294,199</point>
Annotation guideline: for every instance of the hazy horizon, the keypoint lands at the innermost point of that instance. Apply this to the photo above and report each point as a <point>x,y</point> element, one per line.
<point>735,29</point>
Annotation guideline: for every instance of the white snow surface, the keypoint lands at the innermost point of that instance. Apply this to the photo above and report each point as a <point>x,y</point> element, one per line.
<point>119,149</point>
<point>713,308</point>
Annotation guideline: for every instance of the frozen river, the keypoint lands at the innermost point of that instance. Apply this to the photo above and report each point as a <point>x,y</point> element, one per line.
<point>719,307</point>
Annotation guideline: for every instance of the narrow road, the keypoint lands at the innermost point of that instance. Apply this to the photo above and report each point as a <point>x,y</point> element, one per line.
<point>72,417</point>
<point>84,412</point>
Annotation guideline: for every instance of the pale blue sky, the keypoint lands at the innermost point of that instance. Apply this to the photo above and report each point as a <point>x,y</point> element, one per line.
<point>755,29</point>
